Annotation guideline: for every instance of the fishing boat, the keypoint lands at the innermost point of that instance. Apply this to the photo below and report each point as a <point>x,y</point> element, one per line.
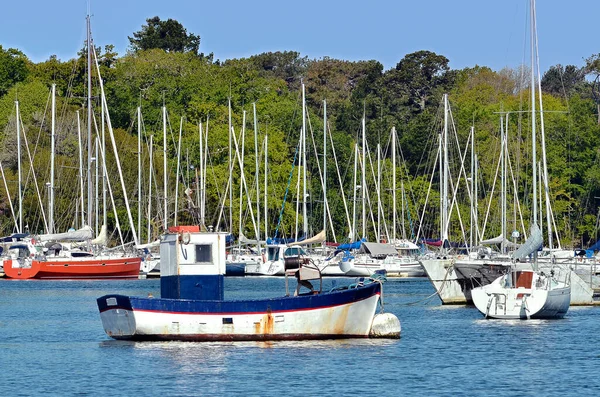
<point>192,306</point>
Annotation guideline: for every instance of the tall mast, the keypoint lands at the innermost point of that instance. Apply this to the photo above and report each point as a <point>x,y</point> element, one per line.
<point>52,165</point>
<point>304,213</point>
<point>503,184</point>
<point>394,184</point>
<point>166,211</point>
<point>230,171</point>
<point>441,175</point>
<point>177,171</point>
<point>200,186</point>
<point>266,211</point>
<point>81,195</point>
<point>543,143</point>
<point>19,167</point>
<point>104,173</point>
<point>243,144</point>
<point>150,171</point>
<point>354,192</point>
<point>364,179</point>
<point>139,125</point>
<point>257,175</point>
<point>97,185</point>
<point>446,171</point>
<point>89,123</point>
<point>533,137</point>
<point>325,208</point>
<point>378,238</point>
<point>472,183</point>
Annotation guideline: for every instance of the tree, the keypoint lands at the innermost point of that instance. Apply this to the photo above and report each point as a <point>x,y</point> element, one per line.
<point>421,72</point>
<point>168,35</point>
<point>563,81</point>
<point>13,68</point>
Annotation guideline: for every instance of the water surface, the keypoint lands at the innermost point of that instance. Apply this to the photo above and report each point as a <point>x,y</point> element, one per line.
<point>52,343</point>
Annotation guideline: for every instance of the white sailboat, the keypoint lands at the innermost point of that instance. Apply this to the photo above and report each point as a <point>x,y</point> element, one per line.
<point>530,293</point>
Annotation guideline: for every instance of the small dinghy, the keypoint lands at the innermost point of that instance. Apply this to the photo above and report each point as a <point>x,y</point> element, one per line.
<point>192,305</point>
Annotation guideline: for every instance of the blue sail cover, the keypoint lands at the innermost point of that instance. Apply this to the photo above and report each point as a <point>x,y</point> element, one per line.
<point>229,239</point>
<point>349,246</point>
<point>595,247</point>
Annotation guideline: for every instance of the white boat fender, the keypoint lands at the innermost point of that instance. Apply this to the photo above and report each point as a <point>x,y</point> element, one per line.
<point>385,325</point>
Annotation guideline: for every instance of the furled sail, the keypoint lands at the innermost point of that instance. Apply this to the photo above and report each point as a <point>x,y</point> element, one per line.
<point>83,234</point>
<point>319,238</point>
<point>532,244</point>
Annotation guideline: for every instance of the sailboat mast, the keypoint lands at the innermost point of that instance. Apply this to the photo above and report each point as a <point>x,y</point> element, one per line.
<point>472,183</point>
<point>446,171</point>
<point>81,195</point>
<point>503,184</point>
<point>104,173</point>
<point>89,123</point>
<point>441,175</point>
<point>177,171</point>
<point>200,184</point>
<point>243,144</point>
<point>97,184</point>
<point>394,185</point>
<point>354,192</point>
<point>543,143</point>
<point>304,213</point>
<point>533,137</point>
<point>257,175</point>
<point>230,171</point>
<point>379,209</point>
<point>325,208</point>
<point>364,179</point>
<point>19,176</point>
<point>165,209</point>
<point>150,171</point>
<point>266,212</point>
<point>52,165</point>
<point>139,128</point>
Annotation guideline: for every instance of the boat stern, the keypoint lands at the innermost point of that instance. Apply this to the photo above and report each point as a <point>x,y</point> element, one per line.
<point>117,316</point>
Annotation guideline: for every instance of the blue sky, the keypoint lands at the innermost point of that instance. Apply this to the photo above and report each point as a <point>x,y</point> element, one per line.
<point>467,32</point>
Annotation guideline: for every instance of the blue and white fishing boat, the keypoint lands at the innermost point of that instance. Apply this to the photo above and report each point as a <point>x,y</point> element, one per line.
<point>192,305</point>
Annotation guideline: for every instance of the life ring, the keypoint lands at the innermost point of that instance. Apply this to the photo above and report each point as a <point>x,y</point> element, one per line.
<point>185,238</point>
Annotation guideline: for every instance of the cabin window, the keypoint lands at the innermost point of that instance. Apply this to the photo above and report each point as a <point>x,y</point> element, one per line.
<point>273,253</point>
<point>204,253</point>
<point>294,251</point>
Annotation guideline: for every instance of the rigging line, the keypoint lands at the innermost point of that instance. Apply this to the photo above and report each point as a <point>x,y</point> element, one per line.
<point>286,191</point>
<point>35,182</point>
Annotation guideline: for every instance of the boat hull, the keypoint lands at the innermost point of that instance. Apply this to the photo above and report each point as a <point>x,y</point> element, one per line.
<point>340,314</point>
<point>523,302</point>
<point>74,268</point>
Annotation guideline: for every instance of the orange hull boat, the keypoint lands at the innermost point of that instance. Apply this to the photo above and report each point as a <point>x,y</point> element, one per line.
<point>72,268</point>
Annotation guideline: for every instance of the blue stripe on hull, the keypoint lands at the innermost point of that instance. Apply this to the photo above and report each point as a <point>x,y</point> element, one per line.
<point>282,304</point>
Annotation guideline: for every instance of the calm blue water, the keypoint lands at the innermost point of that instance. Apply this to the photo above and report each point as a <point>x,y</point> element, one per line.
<point>52,343</point>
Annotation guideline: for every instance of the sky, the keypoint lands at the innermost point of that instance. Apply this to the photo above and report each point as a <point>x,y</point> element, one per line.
<point>468,32</point>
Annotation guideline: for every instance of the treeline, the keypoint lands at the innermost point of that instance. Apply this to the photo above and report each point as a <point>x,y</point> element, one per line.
<point>196,87</point>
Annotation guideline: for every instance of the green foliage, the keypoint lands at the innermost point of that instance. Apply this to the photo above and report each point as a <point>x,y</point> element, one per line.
<point>13,68</point>
<point>164,68</point>
<point>168,35</point>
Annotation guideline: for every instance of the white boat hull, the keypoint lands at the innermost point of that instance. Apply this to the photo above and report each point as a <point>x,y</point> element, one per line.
<point>123,321</point>
<point>496,301</point>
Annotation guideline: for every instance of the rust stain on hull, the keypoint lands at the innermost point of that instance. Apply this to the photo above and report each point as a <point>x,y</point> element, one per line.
<point>266,324</point>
